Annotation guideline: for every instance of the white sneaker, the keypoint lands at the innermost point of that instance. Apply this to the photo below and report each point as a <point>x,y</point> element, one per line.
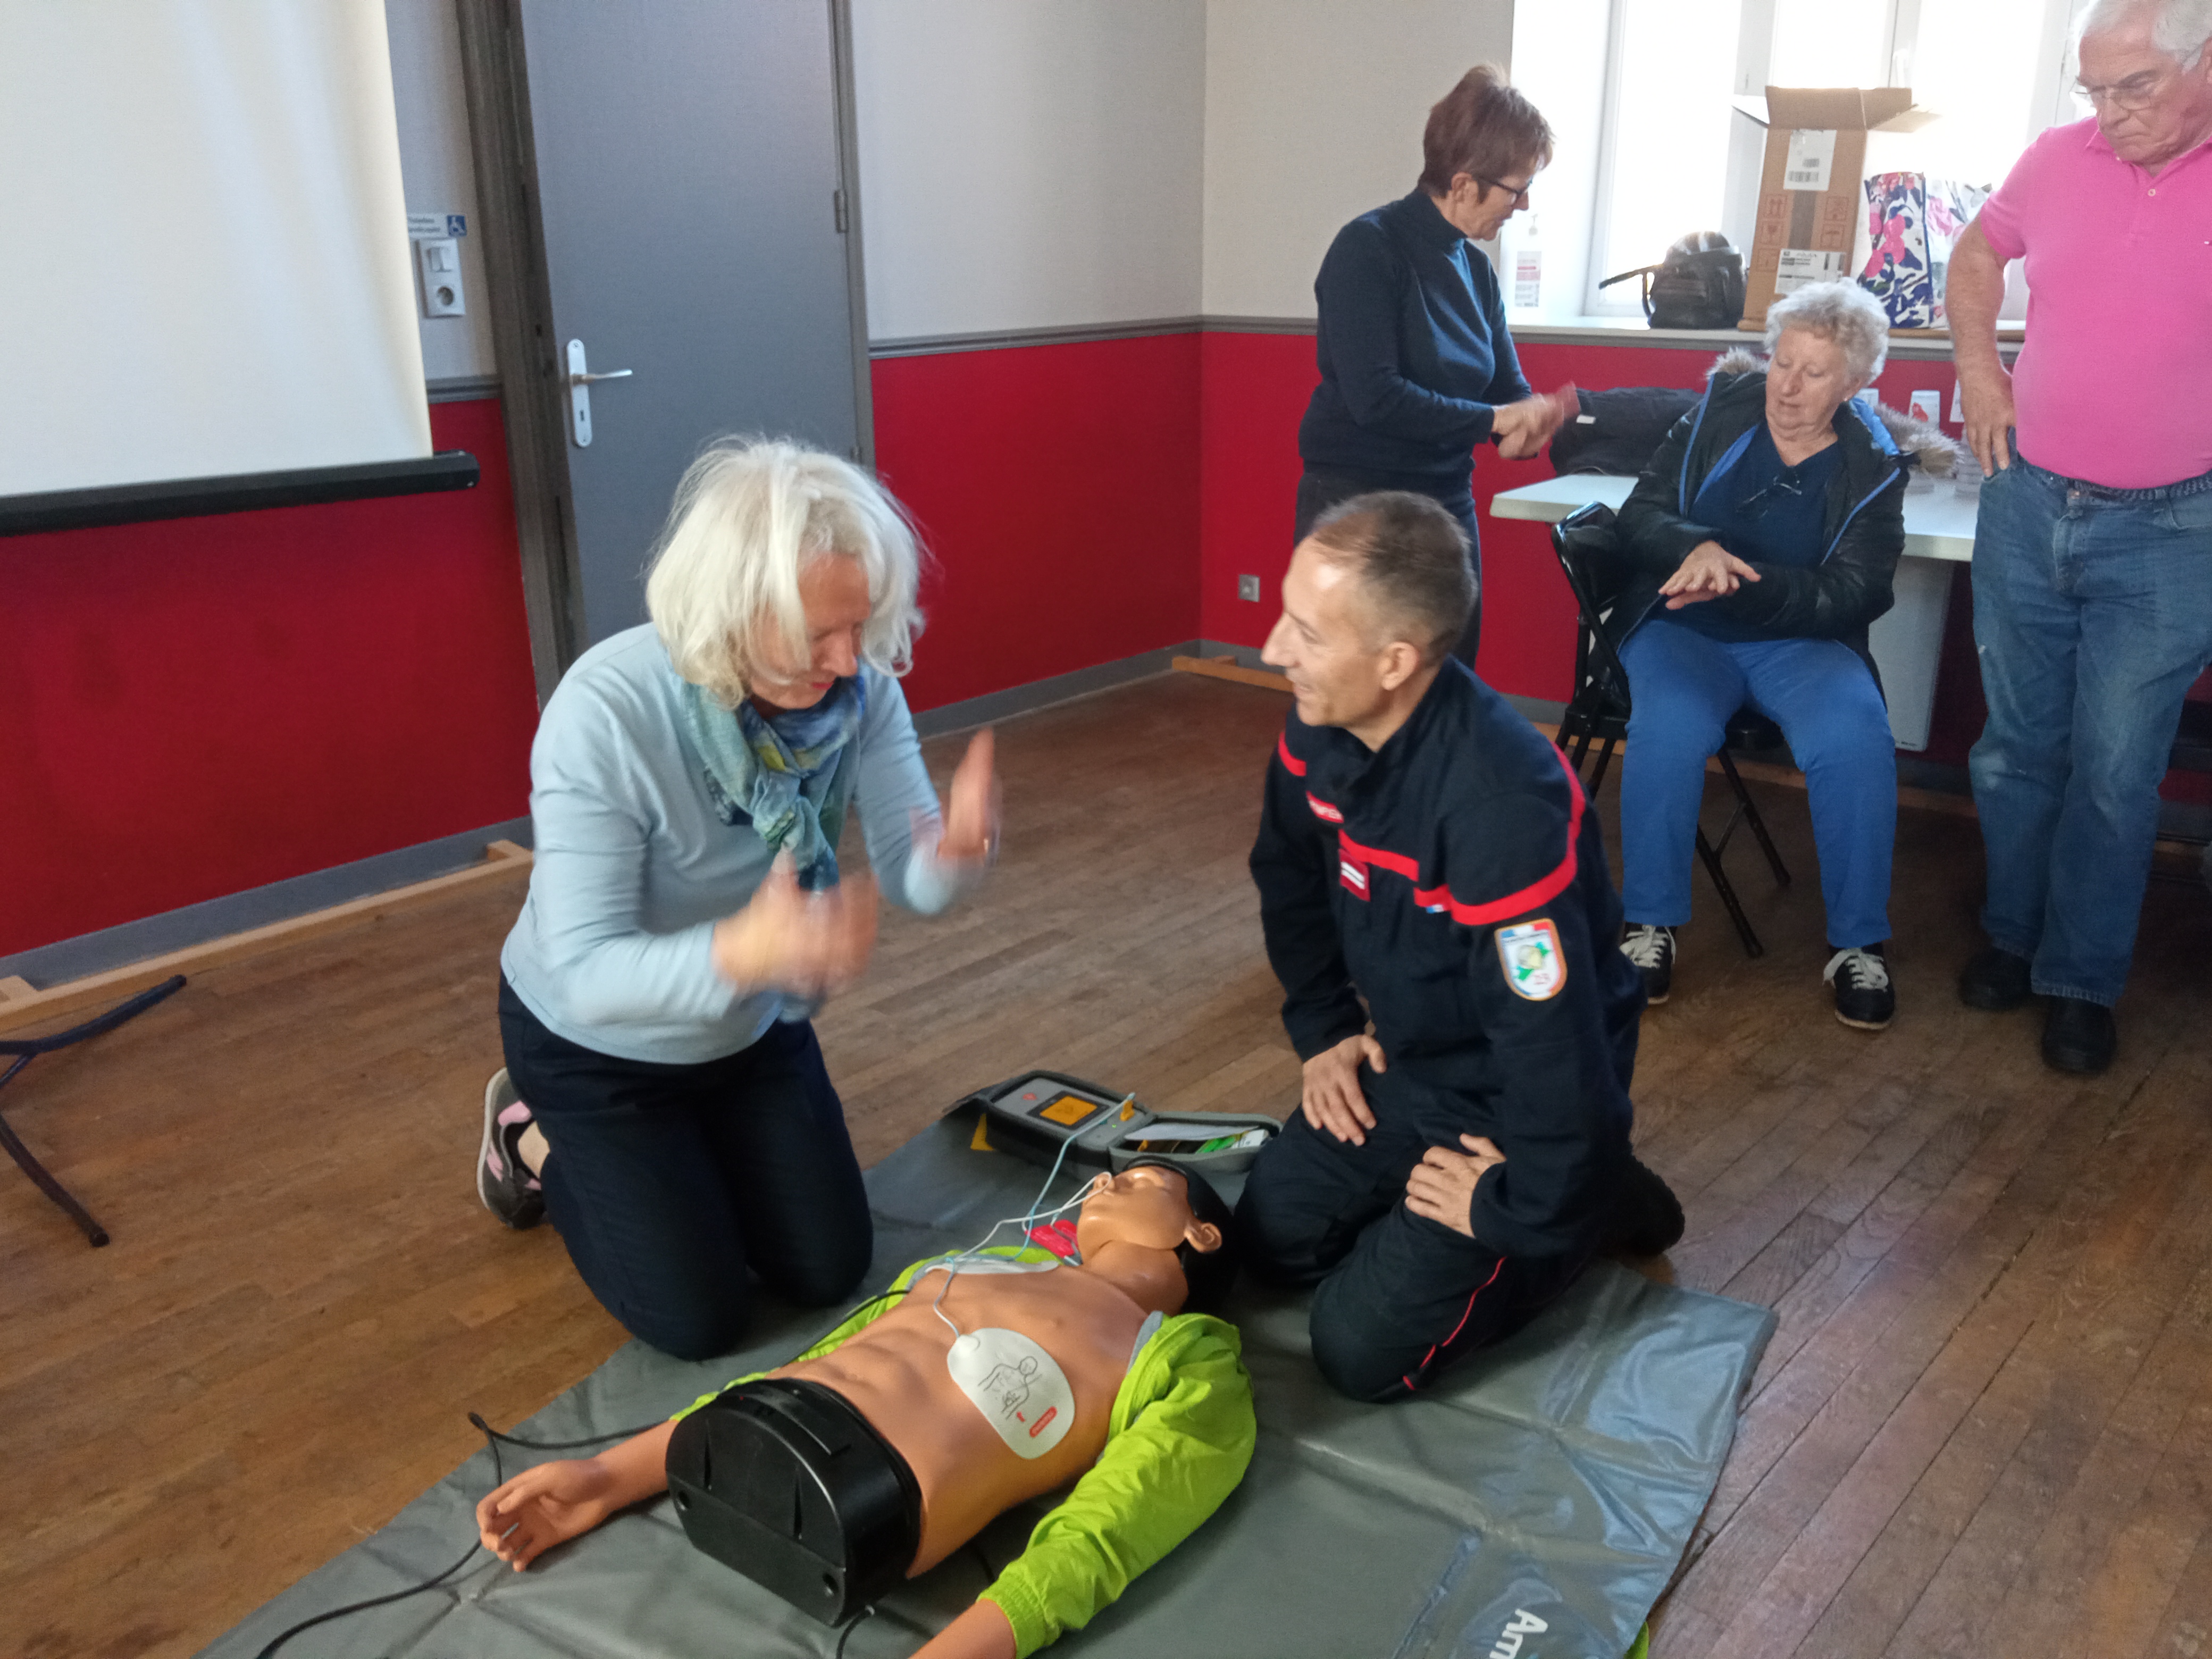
<point>1652,951</point>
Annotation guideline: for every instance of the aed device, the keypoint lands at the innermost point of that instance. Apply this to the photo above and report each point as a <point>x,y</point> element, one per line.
<point>1035,1115</point>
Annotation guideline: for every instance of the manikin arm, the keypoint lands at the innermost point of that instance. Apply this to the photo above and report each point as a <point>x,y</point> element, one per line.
<point>554,1502</point>
<point>1181,1436</point>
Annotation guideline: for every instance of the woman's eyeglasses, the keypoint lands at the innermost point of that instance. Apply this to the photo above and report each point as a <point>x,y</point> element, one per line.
<point>1518,192</point>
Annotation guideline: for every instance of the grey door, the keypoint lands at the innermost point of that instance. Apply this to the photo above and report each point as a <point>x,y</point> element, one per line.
<point>688,202</point>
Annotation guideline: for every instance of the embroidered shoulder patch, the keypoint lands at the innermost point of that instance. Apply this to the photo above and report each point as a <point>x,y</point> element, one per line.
<point>1529,954</point>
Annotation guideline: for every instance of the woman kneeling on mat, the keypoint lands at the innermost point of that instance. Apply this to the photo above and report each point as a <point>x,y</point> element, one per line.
<point>1763,538</point>
<point>665,1098</point>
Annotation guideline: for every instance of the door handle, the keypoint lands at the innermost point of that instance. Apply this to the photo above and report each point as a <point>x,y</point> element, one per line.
<point>579,394</point>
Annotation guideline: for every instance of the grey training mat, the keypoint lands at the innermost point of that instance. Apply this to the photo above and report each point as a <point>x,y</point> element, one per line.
<point>1556,1479</point>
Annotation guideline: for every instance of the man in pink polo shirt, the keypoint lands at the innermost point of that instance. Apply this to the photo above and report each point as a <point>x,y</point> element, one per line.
<point>2092,554</point>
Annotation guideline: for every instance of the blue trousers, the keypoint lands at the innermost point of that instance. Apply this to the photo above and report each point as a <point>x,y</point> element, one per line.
<point>2092,615</point>
<point>1685,687</point>
<point>666,1182</point>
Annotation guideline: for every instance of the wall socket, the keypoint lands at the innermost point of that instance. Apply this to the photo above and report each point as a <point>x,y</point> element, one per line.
<point>1248,588</point>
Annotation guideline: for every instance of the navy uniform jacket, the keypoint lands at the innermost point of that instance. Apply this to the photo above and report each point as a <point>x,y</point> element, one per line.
<point>1455,878</point>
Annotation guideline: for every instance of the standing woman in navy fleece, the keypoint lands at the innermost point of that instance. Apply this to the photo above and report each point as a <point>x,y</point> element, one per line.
<point>1416,366</point>
<point>664,1099</point>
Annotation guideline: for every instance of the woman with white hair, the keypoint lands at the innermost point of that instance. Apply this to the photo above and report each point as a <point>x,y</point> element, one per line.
<point>1762,540</point>
<point>665,1098</point>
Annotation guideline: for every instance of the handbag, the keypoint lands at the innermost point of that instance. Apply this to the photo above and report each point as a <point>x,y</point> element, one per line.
<point>1698,285</point>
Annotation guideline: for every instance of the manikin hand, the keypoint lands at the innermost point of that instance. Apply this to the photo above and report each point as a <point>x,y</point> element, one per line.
<point>971,804</point>
<point>1523,429</point>
<point>520,1520</point>
<point>1990,417</point>
<point>1710,572</point>
<point>544,1506</point>
<point>1442,1185</point>
<point>810,944</point>
<point>1333,1099</point>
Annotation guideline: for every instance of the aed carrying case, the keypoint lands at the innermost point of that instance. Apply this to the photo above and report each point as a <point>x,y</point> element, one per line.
<point>1035,1114</point>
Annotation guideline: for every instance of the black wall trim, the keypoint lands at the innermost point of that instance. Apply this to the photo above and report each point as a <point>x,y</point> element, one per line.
<point>241,492</point>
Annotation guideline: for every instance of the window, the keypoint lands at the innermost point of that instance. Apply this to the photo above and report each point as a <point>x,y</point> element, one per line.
<point>1676,155</point>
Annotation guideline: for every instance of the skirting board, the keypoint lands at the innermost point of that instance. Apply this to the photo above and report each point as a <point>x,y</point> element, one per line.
<point>256,908</point>
<point>22,1004</point>
<point>1042,694</point>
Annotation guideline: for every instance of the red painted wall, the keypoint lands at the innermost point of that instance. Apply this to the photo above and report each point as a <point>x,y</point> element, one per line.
<point>206,705</point>
<point>1058,487</point>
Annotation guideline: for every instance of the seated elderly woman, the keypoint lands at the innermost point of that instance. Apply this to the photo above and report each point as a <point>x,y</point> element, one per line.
<point>1762,539</point>
<point>664,1099</point>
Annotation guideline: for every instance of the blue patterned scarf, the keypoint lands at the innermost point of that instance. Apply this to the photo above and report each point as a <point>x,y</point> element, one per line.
<point>790,776</point>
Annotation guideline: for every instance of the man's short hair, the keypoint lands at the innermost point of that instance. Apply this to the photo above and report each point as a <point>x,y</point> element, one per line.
<point>1411,557</point>
<point>2179,28</point>
<point>1207,1274</point>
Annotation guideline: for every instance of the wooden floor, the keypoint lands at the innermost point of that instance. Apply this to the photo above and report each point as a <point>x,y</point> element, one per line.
<point>1981,1428</point>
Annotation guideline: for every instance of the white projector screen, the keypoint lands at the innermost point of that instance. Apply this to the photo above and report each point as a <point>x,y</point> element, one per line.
<point>206,269</point>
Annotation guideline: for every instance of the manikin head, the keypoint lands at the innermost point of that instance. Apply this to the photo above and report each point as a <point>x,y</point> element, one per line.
<point>2147,70</point>
<point>1373,603</point>
<point>1154,1205</point>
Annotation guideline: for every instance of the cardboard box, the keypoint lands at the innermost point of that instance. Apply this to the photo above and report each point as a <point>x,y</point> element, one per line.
<point>1810,189</point>
<point>1913,222</point>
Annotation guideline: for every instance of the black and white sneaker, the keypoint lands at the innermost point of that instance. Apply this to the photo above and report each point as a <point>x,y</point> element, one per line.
<point>1652,951</point>
<point>1865,1000</point>
<point>504,1182</point>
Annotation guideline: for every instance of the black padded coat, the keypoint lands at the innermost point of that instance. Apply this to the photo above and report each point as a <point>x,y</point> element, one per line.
<point>1863,529</point>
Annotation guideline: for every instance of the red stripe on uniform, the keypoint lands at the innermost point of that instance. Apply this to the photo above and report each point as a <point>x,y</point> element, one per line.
<point>1397,863</point>
<point>1466,1314</point>
<point>1283,752</point>
<point>1481,915</point>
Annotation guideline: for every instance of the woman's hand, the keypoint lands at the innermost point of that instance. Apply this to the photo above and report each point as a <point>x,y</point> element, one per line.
<point>544,1506</point>
<point>1522,430</point>
<point>1710,572</point>
<point>810,944</point>
<point>971,805</point>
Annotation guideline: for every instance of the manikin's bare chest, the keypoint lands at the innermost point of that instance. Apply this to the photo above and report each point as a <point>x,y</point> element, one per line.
<point>1019,1408</point>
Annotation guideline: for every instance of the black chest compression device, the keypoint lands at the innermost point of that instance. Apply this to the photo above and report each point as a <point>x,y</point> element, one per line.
<point>785,1481</point>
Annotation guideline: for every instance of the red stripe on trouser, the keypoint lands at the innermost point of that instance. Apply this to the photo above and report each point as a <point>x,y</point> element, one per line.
<point>1467,1313</point>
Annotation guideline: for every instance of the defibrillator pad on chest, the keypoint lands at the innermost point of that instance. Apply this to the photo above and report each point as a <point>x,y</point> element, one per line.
<point>1016,1385</point>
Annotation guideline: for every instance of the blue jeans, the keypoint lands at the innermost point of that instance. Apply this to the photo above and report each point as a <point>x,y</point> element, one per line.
<point>2092,615</point>
<point>1685,687</point>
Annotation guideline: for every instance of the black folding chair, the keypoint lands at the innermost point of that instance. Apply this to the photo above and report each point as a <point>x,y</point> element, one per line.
<point>25,1050</point>
<point>1597,711</point>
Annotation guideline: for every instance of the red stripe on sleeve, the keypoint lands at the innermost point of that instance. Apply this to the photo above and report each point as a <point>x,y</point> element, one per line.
<point>1537,892</point>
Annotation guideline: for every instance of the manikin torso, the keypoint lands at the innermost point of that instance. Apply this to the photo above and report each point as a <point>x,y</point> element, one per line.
<point>894,1372</point>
